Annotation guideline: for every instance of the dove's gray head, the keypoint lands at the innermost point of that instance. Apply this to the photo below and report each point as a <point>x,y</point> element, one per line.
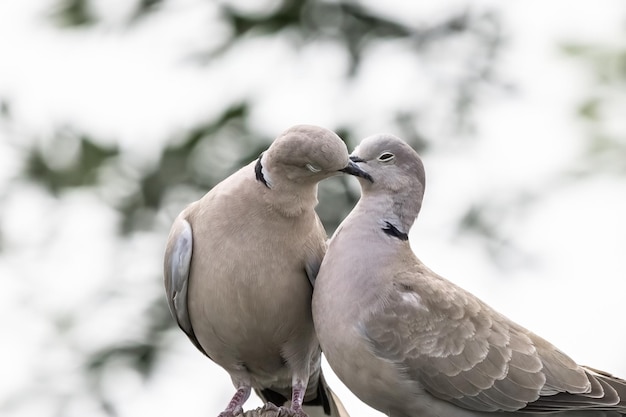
<point>307,154</point>
<point>396,175</point>
<point>393,165</point>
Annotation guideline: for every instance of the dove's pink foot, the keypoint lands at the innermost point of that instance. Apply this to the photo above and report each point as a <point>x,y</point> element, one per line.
<point>235,406</point>
<point>297,397</point>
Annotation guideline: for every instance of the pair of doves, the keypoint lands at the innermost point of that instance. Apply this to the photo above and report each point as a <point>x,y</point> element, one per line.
<point>241,264</point>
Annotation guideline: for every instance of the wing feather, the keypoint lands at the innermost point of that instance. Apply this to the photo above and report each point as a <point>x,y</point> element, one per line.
<point>462,351</point>
<point>176,275</point>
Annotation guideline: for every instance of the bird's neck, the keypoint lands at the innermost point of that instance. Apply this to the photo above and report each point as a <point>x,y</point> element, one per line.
<point>281,193</point>
<point>394,215</point>
<point>291,199</point>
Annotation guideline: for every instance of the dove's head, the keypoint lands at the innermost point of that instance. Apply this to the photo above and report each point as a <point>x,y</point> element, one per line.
<point>394,167</point>
<point>307,154</point>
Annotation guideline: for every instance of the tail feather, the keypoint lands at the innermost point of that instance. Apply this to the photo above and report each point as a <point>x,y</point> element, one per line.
<point>616,383</point>
<point>271,396</point>
<point>606,393</point>
<point>324,403</point>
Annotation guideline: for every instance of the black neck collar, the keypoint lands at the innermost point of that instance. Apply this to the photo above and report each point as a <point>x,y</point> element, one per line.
<point>258,170</point>
<point>392,230</point>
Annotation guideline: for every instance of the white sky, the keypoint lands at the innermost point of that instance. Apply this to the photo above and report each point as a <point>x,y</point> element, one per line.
<point>134,88</point>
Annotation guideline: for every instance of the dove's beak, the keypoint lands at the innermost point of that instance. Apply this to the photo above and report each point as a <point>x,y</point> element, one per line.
<point>354,169</point>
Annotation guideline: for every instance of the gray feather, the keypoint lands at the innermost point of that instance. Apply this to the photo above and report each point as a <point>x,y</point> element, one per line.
<point>411,343</point>
<point>177,263</point>
<point>239,268</point>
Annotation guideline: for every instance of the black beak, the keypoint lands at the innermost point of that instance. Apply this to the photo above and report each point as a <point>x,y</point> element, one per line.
<point>354,169</point>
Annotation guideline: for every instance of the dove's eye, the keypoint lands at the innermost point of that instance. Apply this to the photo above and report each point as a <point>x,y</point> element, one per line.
<point>386,157</point>
<point>313,168</point>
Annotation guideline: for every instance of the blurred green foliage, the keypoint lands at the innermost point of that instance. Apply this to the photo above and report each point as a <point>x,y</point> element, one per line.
<point>350,24</point>
<point>198,158</point>
<point>195,160</point>
<point>602,111</point>
<point>73,13</point>
<point>81,170</point>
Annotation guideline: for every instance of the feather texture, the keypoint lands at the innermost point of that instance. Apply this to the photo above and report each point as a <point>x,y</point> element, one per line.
<point>239,268</point>
<point>422,345</point>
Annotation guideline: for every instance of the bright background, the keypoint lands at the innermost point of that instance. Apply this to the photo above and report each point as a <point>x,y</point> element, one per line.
<point>518,109</point>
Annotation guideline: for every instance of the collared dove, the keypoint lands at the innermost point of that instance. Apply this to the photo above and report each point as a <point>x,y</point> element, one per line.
<point>412,344</point>
<point>239,268</point>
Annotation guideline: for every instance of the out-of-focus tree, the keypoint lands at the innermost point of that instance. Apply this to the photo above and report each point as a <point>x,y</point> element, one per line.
<point>458,51</point>
<point>601,115</point>
<point>602,111</point>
